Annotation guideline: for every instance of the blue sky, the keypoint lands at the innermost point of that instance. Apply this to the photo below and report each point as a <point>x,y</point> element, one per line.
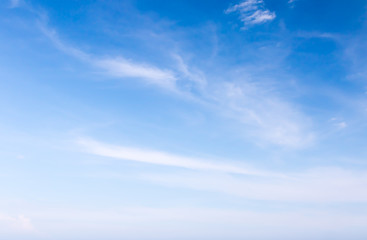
<point>143,119</point>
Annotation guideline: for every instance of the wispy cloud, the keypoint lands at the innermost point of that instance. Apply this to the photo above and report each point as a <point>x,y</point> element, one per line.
<point>181,80</point>
<point>252,12</point>
<point>195,79</point>
<point>122,68</point>
<point>165,159</point>
<point>320,185</point>
<point>270,117</point>
<point>53,36</point>
<point>314,185</point>
<point>292,3</point>
<point>119,66</point>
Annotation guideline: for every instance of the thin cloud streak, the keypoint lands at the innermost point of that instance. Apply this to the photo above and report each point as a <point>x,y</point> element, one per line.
<point>314,185</point>
<point>123,68</point>
<point>322,185</point>
<point>116,67</point>
<point>165,159</point>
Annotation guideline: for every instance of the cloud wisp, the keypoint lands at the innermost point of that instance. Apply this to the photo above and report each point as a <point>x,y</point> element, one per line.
<point>272,119</point>
<point>314,185</point>
<point>319,185</point>
<point>123,68</point>
<point>251,12</point>
<point>165,159</point>
<point>119,67</point>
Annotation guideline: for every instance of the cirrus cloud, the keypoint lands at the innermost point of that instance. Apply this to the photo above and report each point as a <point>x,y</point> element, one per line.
<point>251,12</point>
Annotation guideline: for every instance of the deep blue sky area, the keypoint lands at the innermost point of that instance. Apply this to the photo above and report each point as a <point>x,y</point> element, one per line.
<point>142,119</point>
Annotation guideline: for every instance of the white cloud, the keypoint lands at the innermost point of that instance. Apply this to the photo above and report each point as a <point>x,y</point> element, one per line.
<point>270,118</point>
<point>316,34</point>
<point>314,185</point>
<point>322,185</point>
<point>163,158</point>
<point>120,67</point>
<point>117,66</point>
<point>252,12</point>
<point>292,3</point>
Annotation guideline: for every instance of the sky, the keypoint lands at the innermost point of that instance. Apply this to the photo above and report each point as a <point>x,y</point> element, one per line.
<point>151,120</point>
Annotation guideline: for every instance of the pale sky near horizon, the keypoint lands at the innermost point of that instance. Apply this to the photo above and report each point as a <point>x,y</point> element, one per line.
<point>153,119</point>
